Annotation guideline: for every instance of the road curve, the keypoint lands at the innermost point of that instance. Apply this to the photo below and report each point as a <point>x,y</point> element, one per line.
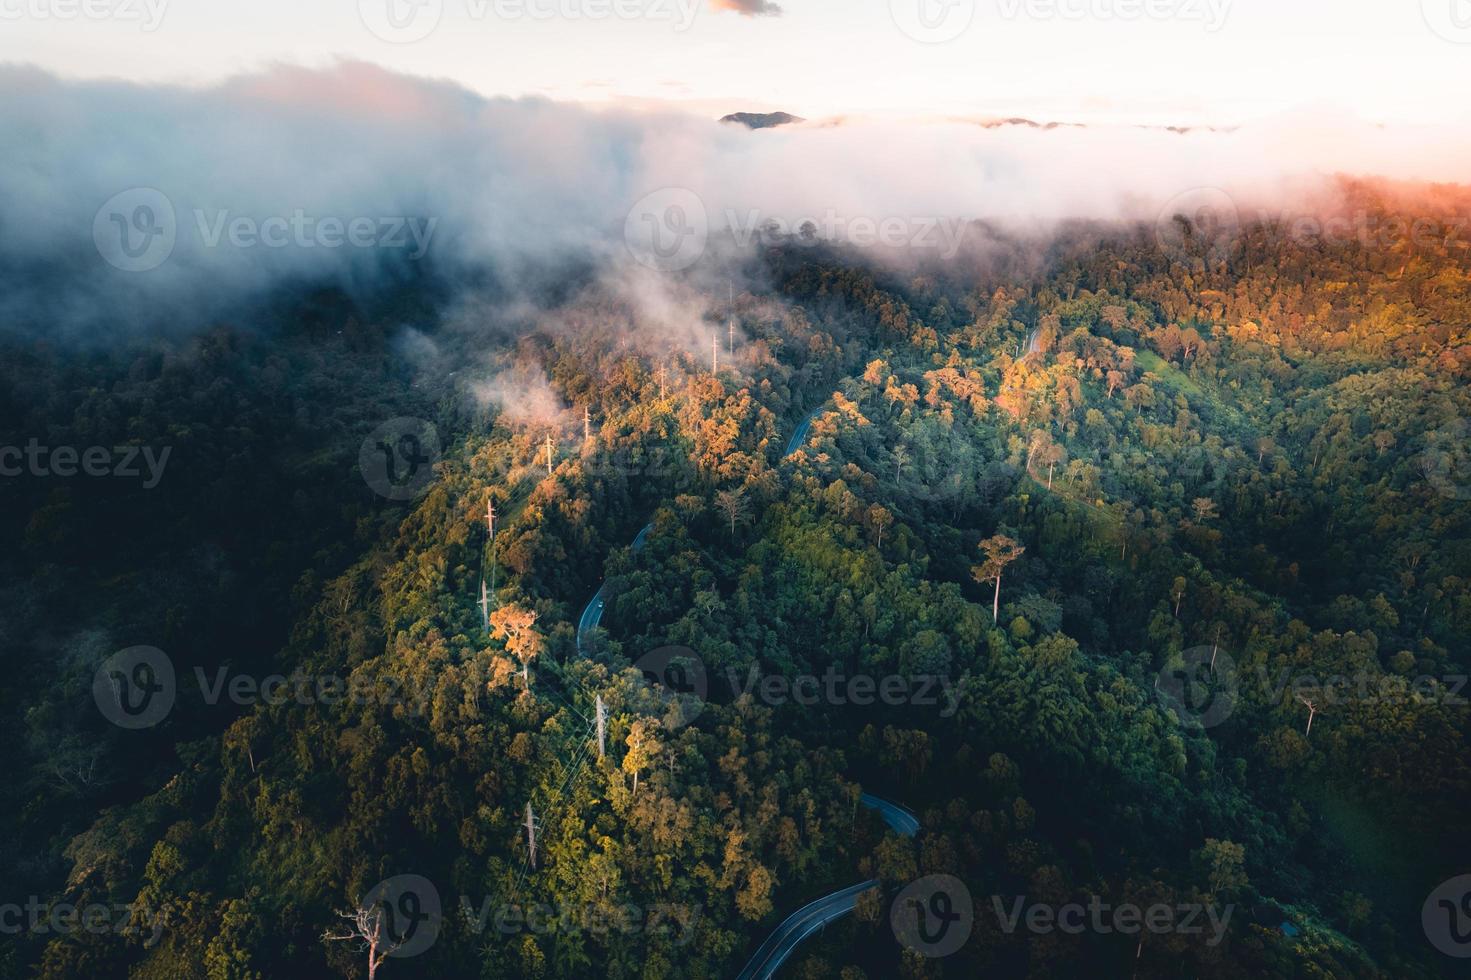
<point>813,916</point>
<point>592,614</point>
<point>798,926</point>
<point>800,436</point>
<point>899,819</point>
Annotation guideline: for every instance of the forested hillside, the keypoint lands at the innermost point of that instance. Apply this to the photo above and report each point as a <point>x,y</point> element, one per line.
<point>1168,544</point>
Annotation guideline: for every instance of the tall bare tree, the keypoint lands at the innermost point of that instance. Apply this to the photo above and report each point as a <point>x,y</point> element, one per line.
<point>879,519</point>
<point>733,504</point>
<point>1000,551</point>
<point>367,925</point>
<point>1051,454</point>
<point>643,748</point>
<point>1312,706</point>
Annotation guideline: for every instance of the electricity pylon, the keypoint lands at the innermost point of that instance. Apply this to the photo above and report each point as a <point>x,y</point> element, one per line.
<point>531,832</point>
<point>601,717</point>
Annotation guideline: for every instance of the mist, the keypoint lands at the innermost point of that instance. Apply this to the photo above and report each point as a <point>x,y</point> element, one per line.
<point>129,208</point>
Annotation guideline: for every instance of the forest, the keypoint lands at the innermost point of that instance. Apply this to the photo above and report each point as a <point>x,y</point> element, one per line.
<point>1138,571</point>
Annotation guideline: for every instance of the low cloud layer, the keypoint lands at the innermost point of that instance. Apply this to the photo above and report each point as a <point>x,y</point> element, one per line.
<point>128,207</point>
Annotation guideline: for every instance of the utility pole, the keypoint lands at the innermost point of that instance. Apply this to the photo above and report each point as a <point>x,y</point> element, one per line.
<point>730,319</point>
<point>531,832</point>
<point>601,716</point>
<point>715,353</point>
<point>490,532</point>
<point>549,454</point>
<point>484,605</point>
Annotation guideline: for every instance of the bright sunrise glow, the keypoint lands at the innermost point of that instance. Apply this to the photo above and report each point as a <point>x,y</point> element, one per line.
<point>1193,62</point>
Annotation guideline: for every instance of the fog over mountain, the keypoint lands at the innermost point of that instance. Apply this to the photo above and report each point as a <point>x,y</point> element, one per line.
<point>772,489</point>
<point>266,174</point>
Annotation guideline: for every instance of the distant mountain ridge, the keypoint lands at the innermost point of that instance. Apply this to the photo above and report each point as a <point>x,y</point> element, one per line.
<point>770,120</point>
<point>1034,124</point>
<point>762,120</point>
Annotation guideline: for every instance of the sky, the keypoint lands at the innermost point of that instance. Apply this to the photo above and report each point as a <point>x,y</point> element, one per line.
<point>1175,62</point>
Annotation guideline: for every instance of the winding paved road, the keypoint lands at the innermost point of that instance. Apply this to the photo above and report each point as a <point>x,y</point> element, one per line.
<point>800,436</point>
<point>899,819</point>
<point>798,926</point>
<point>592,614</point>
<point>814,916</point>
